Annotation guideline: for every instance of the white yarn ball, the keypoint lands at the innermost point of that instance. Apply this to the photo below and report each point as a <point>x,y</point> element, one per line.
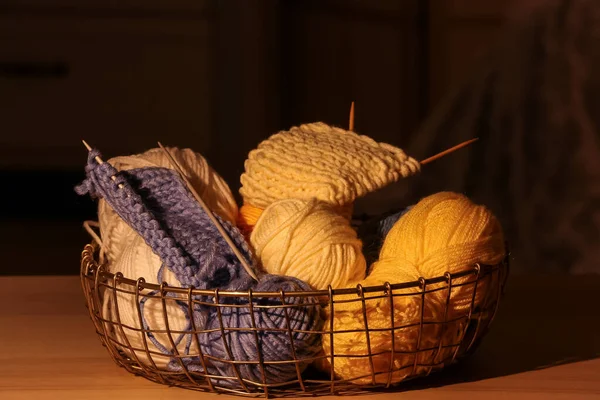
<point>138,260</point>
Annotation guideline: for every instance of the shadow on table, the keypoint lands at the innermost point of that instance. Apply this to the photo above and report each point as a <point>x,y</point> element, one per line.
<point>543,321</point>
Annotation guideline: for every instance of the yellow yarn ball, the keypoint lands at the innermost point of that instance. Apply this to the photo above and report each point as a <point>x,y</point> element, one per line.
<point>309,240</point>
<point>444,232</point>
<point>116,234</point>
<point>447,232</point>
<point>350,337</point>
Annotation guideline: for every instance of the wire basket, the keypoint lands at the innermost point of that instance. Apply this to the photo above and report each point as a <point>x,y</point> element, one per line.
<point>426,356</point>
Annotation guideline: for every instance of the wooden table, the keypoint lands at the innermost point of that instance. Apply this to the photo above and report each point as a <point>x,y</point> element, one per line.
<point>544,344</point>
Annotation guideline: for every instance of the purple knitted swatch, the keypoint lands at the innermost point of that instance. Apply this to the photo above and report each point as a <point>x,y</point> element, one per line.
<point>156,203</point>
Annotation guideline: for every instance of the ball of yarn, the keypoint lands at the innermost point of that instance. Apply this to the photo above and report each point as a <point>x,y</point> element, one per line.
<point>446,232</point>
<point>248,216</point>
<point>116,234</point>
<point>443,232</point>
<point>309,240</point>
<point>350,336</point>
<point>274,339</point>
<point>317,160</point>
<point>137,260</point>
<point>209,185</point>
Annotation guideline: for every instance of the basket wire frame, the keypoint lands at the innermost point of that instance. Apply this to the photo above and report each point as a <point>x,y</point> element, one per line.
<point>97,283</point>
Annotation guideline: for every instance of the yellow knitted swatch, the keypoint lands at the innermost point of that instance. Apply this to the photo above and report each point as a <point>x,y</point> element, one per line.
<point>309,240</point>
<point>116,234</point>
<point>323,162</point>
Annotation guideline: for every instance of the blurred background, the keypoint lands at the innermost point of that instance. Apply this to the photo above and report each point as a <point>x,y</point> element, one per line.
<point>220,76</point>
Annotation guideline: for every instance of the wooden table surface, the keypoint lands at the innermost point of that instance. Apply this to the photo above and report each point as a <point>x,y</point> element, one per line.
<point>544,344</point>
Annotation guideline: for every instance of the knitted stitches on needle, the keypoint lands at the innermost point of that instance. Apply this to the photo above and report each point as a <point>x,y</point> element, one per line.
<point>320,161</point>
<point>156,203</point>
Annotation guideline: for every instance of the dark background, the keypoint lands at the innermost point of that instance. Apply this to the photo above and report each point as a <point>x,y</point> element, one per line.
<point>219,76</point>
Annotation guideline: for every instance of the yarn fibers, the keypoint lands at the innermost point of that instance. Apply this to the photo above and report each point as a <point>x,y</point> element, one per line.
<point>157,205</point>
<point>309,240</point>
<point>272,341</point>
<point>444,232</point>
<point>350,336</point>
<point>138,260</point>
<point>316,160</point>
<point>212,188</point>
<point>447,232</point>
<point>247,218</point>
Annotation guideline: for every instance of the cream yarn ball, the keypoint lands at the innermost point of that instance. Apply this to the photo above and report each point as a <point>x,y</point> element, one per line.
<point>309,240</point>
<point>137,260</point>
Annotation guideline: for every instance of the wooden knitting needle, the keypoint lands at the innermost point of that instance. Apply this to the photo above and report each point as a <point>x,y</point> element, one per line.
<point>450,150</point>
<point>99,160</point>
<point>209,213</point>
<point>87,146</point>
<point>427,160</point>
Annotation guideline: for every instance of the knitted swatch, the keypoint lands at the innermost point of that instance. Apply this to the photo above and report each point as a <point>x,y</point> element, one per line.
<point>319,161</point>
<point>184,236</point>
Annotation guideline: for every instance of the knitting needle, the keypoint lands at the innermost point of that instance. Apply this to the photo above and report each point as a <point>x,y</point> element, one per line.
<point>209,213</point>
<point>99,160</point>
<point>448,151</point>
<point>87,146</point>
<point>427,160</point>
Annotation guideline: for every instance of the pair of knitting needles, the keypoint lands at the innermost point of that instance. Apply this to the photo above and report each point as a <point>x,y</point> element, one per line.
<point>427,160</point>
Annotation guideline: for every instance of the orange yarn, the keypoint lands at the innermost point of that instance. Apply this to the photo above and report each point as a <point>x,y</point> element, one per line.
<point>247,217</point>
